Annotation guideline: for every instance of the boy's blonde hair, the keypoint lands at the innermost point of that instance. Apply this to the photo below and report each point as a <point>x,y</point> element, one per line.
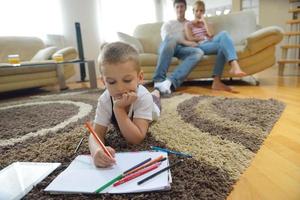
<point>199,3</point>
<point>118,52</point>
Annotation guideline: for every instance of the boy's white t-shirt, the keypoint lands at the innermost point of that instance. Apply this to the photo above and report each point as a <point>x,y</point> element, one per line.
<point>143,107</point>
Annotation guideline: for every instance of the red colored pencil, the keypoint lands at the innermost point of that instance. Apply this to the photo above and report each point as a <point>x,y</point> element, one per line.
<point>89,126</point>
<point>137,174</point>
<point>145,165</point>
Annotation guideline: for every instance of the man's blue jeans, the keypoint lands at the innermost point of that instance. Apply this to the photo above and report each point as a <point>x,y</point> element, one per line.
<point>189,57</point>
<point>222,45</point>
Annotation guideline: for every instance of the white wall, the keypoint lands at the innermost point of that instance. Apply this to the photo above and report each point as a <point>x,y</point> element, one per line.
<point>271,13</point>
<point>84,12</point>
<point>274,12</point>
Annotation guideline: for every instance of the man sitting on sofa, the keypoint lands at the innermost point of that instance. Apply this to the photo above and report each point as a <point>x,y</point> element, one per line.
<point>175,44</point>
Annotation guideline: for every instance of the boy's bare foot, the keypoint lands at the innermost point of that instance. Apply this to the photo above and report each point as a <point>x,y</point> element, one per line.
<point>218,85</point>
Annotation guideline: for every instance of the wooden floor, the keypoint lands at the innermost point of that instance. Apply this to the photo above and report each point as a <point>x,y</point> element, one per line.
<point>275,171</point>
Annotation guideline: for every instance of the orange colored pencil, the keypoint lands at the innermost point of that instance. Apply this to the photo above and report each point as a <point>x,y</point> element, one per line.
<point>90,128</point>
<point>145,165</point>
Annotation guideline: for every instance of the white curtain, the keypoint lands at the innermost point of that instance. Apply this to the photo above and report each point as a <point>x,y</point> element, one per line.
<point>123,16</point>
<point>30,17</point>
<point>251,5</point>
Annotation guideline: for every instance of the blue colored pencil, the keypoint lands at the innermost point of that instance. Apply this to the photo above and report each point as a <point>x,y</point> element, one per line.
<point>171,151</point>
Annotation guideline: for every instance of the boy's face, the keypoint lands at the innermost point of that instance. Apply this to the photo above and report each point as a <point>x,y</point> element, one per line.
<point>198,11</point>
<point>180,10</point>
<point>120,78</point>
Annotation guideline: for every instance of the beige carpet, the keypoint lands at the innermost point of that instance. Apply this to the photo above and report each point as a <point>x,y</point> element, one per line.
<point>222,134</point>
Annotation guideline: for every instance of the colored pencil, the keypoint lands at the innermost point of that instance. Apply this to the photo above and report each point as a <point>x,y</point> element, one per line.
<point>106,185</point>
<point>136,166</point>
<point>146,164</point>
<point>109,183</point>
<point>171,151</point>
<point>158,172</point>
<point>133,169</point>
<point>137,174</point>
<point>78,145</point>
<point>89,126</point>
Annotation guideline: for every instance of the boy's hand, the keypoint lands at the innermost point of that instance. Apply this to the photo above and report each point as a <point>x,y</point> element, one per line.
<point>102,160</point>
<point>126,100</point>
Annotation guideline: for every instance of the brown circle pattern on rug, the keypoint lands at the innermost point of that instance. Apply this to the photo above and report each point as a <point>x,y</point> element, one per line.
<point>238,120</point>
<point>217,160</point>
<point>84,110</point>
<point>28,119</point>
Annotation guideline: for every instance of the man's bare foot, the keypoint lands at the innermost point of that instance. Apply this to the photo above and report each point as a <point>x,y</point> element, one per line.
<point>218,85</point>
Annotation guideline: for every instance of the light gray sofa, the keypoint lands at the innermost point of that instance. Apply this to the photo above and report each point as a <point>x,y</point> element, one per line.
<point>255,48</point>
<point>31,50</point>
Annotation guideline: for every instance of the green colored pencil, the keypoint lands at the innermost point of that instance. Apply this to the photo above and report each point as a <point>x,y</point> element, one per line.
<point>109,183</point>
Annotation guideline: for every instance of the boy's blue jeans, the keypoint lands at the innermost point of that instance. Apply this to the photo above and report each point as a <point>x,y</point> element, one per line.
<point>189,58</point>
<point>222,45</point>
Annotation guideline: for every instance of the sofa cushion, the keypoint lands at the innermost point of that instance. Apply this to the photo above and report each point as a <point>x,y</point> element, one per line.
<point>239,25</point>
<point>25,47</point>
<point>149,36</point>
<point>150,59</point>
<point>44,54</point>
<point>69,53</point>
<point>131,40</point>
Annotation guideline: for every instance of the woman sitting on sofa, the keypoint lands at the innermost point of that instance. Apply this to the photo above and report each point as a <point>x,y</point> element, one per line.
<point>221,44</point>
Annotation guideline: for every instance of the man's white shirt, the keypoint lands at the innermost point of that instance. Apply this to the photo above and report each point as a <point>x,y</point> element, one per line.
<point>173,28</point>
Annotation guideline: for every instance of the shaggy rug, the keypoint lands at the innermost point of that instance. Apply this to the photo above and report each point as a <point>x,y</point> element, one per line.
<point>223,135</point>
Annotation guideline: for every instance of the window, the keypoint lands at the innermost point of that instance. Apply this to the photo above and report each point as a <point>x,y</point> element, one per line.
<point>30,17</point>
<point>216,7</point>
<point>251,5</point>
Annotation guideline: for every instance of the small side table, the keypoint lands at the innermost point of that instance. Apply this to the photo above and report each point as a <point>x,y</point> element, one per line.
<point>91,69</point>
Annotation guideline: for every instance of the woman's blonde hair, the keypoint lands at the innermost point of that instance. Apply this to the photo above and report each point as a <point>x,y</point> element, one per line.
<point>118,52</point>
<point>199,3</point>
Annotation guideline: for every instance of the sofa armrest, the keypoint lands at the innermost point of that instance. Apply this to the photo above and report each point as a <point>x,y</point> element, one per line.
<point>68,53</point>
<point>264,38</point>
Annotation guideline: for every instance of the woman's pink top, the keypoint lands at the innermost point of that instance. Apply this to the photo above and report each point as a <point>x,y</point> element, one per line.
<point>198,30</point>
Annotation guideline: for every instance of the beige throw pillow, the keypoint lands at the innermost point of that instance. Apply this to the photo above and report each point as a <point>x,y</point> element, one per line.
<point>44,54</point>
<point>131,40</point>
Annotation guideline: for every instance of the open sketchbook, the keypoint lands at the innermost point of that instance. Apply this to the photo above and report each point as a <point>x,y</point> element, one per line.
<point>83,177</point>
<point>17,179</point>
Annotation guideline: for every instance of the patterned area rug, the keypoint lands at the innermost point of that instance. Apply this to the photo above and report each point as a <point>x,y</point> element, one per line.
<point>222,134</point>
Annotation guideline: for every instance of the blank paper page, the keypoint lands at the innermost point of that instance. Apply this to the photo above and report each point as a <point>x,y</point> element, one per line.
<point>82,176</point>
<point>18,179</point>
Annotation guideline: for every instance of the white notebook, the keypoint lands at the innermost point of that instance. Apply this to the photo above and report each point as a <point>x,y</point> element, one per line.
<point>17,179</point>
<point>83,177</point>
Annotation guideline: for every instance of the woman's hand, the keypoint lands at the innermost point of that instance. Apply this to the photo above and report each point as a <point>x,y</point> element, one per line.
<point>202,19</point>
<point>102,160</point>
<point>192,44</point>
<point>189,43</point>
<point>199,20</point>
<point>125,100</point>
<point>201,38</point>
